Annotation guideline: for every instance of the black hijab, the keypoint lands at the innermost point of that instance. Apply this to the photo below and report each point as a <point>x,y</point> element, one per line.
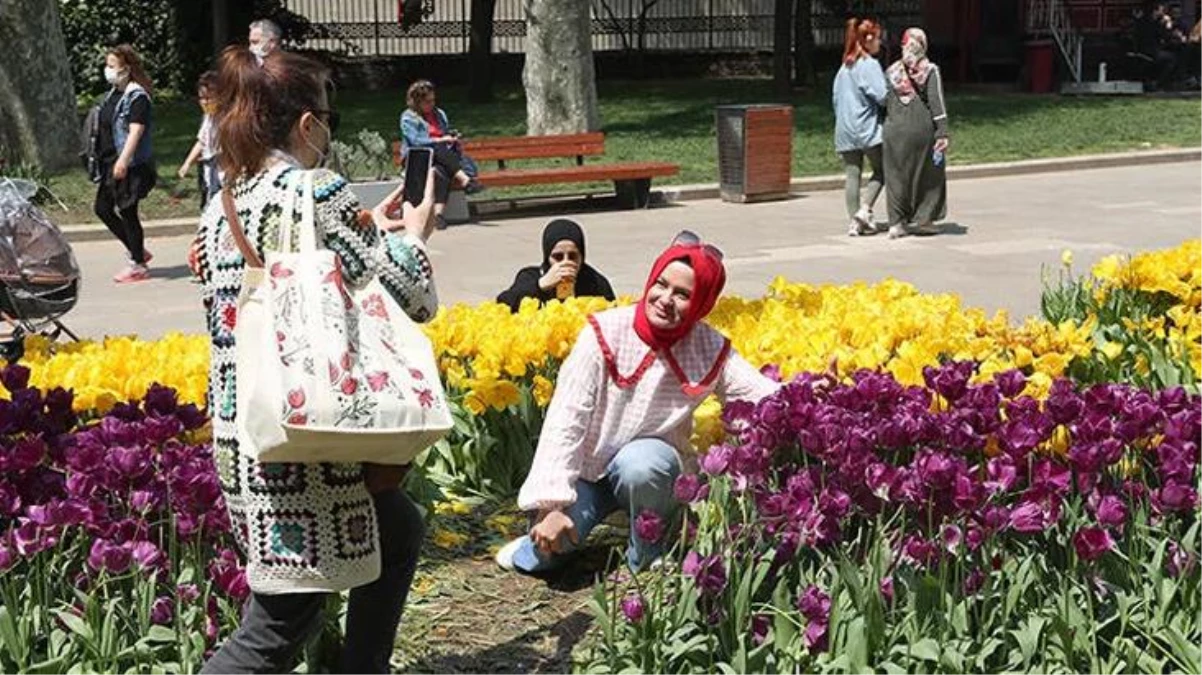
<point>561,229</point>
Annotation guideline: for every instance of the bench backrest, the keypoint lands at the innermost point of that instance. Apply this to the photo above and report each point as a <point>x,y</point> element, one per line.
<point>506,148</point>
<point>536,147</point>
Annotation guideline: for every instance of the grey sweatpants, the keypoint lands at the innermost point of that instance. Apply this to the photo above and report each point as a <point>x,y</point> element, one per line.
<point>275,628</point>
<point>853,167</point>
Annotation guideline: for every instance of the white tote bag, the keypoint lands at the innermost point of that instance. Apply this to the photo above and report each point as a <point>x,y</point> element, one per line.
<point>326,373</point>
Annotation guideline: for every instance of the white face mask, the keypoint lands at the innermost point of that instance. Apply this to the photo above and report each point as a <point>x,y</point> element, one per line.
<point>114,76</point>
<point>322,155</point>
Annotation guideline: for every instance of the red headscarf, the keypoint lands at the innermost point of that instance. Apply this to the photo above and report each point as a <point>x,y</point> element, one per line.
<point>709,277</point>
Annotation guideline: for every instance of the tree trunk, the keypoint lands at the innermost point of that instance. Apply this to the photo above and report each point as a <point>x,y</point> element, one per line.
<point>480,52</point>
<point>561,91</point>
<point>38,123</point>
<point>803,43</point>
<point>221,25</point>
<point>782,24</point>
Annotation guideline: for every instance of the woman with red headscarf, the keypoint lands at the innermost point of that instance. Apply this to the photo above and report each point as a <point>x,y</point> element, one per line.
<point>622,413</point>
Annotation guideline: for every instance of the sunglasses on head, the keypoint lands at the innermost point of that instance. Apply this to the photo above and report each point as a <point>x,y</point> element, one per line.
<point>691,238</point>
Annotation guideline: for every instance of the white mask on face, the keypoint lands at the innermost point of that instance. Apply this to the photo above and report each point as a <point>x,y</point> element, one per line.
<point>113,76</point>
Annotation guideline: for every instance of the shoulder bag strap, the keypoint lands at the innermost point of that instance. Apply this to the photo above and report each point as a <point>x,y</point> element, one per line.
<point>231,217</point>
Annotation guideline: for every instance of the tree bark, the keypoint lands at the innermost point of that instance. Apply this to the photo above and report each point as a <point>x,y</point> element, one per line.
<point>480,51</point>
<point>561,90</point>
<point>803,43</point>
<point>38,122</point>
<point>782,24</point>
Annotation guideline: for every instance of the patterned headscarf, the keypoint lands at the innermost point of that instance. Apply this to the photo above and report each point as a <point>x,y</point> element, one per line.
<point>912,68</point>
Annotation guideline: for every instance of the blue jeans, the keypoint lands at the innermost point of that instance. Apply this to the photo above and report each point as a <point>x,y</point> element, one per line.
<point>640,477</point>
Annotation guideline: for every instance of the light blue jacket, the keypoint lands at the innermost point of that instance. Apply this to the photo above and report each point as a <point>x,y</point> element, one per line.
<point>144,151</point>
<point>415,131</point>
<point>858,96</point>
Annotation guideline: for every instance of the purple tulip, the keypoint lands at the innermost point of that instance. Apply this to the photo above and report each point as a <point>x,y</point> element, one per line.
<point>951,537</point>
<point>886,588</point>
<point>162,611</point>
<point>1176,497</point>
<point>1111,512</point>
<point>1063,403</point>
<point>686,488</point>
<point>815,637</point>
<point>760,624</point>
<point>1028,517</point>
<point>10,500</point>
<point>1092,542</point>
<point>187,592</point>
<point>708,572</point>
<point>633,608</point>
<point>26,453</point>
<point>130,462</point>
<point>649,526</point>
<point>973,538</point>
<point>148,556</point>
<point>6,556</point>
<point>110,557</point>
<point>813,604</point>
<point>1011,382</point>
<point>974,581</point>
<point>1178,561</point>
<point>27,538</point>
<point>14,377</point>
<point>716,460</point>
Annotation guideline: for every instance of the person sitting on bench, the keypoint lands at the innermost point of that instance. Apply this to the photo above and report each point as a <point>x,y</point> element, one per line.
<point>563,272</point>
<point>425,125</point>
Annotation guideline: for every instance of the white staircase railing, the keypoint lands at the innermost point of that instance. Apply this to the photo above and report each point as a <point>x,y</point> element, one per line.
<point>1046,17</point>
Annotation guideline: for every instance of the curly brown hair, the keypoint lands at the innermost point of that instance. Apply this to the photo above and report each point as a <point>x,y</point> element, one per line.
<point>418,91</point>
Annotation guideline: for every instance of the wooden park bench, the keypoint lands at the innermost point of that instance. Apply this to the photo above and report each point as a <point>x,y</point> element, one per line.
<point>632,180</point>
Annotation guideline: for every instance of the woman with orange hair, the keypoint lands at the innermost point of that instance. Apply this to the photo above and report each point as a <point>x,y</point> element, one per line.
<point>858,96</point>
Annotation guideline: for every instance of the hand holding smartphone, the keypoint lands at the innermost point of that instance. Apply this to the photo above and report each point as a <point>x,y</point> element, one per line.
<point>418,164</point>
<point>414,197</point>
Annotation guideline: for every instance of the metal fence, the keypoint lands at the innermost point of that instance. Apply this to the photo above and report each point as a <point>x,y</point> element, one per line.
<point>371,27</point>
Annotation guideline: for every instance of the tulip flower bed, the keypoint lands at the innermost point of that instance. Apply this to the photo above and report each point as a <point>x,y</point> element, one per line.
<point>116,554</point>
<point>937,490</point>
<point>953,527</point>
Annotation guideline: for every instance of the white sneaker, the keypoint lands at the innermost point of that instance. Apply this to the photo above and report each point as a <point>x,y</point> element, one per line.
<point>505,555</point>
<point>864,217</point>
<point>897,232</point>
<point>854,229</point>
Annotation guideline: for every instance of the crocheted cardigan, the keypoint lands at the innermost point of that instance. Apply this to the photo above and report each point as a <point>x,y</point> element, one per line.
<point>303,527</point>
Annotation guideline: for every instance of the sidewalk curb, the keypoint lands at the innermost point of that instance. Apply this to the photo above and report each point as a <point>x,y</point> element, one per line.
<point>682,193</point>
<point>679,193</point>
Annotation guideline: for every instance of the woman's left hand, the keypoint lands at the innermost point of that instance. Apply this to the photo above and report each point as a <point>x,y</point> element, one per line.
<point>941,144</point>
<point>120,169</point>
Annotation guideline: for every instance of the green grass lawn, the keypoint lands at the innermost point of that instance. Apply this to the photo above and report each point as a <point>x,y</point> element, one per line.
<point>674,121</point>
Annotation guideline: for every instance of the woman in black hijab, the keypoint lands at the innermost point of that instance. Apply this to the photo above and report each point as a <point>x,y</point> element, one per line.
<point>563,273</point>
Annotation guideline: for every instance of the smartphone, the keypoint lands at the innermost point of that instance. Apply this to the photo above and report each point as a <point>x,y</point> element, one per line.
<point>417,166</point>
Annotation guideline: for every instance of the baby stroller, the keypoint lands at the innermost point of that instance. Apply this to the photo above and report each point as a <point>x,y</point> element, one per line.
<point>39,277</point>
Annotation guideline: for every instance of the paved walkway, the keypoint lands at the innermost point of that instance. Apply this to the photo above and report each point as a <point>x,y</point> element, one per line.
<point>1004,230</point>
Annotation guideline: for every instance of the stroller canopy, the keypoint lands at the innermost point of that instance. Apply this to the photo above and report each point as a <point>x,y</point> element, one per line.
<point>33,251</point>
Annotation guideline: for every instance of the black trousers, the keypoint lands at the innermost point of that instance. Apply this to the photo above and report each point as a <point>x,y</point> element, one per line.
<point>447,158</point>
<point>276,627</point>
<point>121,219</point>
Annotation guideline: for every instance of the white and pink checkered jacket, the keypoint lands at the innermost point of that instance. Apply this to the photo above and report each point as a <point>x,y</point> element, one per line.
<point>596,411</point>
